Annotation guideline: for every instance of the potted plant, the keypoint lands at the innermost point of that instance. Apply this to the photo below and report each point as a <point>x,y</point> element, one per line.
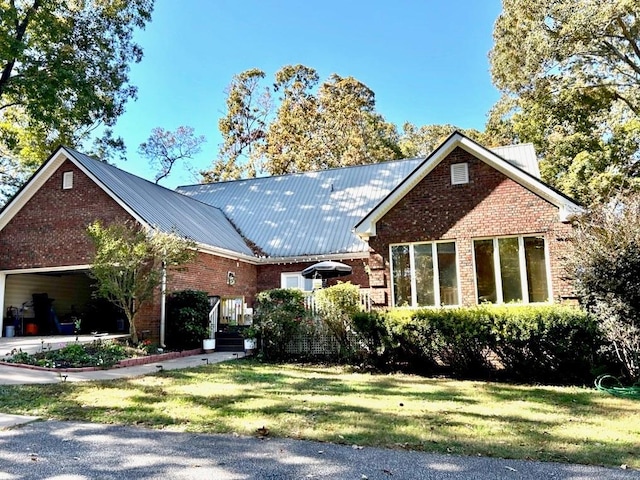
<point>250,335</point>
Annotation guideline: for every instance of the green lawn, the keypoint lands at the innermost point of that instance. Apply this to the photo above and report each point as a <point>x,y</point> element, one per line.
<point>332,404</point>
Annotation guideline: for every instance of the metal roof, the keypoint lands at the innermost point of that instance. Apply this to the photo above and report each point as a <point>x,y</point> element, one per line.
<point>522,155</point>
<point>165,209</point>
<point>314,213</point>
<point>303,214</point>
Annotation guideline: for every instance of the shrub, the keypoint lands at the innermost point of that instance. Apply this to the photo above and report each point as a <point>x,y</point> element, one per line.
<point>372,338</point>
<point>280,314</point>
<point>454,340</point>
<point>336,306</point>
<point>187,319</point>
<point>551,344</point>
<point>605,266</point>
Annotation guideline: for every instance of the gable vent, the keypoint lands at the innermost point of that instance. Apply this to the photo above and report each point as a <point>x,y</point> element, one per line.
<point>459,173</point>
<point>67,180</point>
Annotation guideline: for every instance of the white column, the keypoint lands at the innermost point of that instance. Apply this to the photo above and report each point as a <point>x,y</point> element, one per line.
<point>3,278</point>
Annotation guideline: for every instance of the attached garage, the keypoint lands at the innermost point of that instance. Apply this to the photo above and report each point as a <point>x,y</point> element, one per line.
<point>49,301</point>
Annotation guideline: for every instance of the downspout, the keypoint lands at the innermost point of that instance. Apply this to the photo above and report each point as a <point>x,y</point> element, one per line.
<point>163,299</point>
<point>3,277</point>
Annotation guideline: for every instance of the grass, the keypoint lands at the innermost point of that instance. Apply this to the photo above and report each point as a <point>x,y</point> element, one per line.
<point>332,404</point>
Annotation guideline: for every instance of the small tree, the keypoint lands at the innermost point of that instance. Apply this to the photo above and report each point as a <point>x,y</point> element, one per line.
<point>129,261</point>
<point>605,264</point>
<point>337,305</point>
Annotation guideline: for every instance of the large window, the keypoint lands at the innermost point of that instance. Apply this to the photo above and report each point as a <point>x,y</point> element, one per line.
<point>511,269</point>
<point>424,274</point>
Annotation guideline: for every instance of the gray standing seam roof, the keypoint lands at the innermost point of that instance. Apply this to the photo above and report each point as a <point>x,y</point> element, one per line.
<point>305,214</point>
<point>165,209</point>
<point>314,213</point>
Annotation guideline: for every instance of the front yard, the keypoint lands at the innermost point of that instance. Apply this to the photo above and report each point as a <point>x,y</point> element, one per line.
<point>335,405</point>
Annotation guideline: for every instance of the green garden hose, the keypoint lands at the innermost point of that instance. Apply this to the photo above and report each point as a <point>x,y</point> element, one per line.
<point>613,386</point>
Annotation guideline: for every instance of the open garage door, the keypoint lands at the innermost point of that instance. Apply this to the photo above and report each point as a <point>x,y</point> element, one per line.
<point>55,303</point>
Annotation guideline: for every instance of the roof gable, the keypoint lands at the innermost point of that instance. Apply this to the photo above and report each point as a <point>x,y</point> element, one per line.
<point>367,225</point>
<point>152,205</point>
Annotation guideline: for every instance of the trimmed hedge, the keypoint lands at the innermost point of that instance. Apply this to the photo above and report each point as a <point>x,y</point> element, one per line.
<point>550,344</point>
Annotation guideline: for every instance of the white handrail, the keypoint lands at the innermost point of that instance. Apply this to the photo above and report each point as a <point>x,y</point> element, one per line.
<point>213,319</point>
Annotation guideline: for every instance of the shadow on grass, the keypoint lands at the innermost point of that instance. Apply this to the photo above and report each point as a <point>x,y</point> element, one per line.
<point>438,415</point>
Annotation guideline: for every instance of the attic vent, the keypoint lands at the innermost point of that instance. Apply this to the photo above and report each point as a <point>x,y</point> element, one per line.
<point>67,180</point>
<point>459,173</point>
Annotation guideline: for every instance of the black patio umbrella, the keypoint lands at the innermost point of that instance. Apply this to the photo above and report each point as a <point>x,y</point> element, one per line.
<point>327,269</point>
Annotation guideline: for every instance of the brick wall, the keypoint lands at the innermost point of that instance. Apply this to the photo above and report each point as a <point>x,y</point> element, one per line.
<point>269,275</point>
<point>50,230</point>
<point>490,205</point>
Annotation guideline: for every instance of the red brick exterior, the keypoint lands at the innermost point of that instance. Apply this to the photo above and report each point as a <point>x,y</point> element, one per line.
<point>490,205</point>
<point>269,275</point>
<point>50,230</point>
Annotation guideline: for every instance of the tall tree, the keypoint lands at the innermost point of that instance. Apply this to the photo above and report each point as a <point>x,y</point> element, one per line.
<point>292,144</point>
<point>129,262</point>
<point>570,75</point>
<point>64,72</point>
<point>164,148</point>
<point>243,128</point>
<point>421,141</point>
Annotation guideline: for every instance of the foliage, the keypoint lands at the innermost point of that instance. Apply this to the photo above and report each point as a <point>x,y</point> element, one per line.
<point>65,71</point>
<point>553,344</point>
<point>457,339</point>
<point>372,340</point>
<point>315,126</point>
<point>128,264</point>
<point>74,355</point>
<point>569,77</point>
<point>280,314</point>
<point>605,266</point>
<point>164,148</point>
<point>550,344</point>
<point>243,128</point>
<point>420,142</point>
<point>336,306</point>
<point>187,319</point>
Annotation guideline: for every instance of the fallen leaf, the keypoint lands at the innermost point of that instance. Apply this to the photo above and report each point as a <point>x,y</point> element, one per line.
<point>511,469</point>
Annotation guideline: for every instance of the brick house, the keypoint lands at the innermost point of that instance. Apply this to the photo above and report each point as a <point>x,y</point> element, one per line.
<point>465,225</point>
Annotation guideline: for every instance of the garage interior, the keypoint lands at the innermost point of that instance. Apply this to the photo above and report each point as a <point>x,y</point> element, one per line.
<point>57,303</point>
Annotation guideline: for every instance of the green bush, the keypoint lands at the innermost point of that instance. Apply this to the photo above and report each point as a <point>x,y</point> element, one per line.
<point>551,344</point>
<point>336,306</point>
<point>372,338</point>
<point>280,314</point>
<point>187,319</point>
<point>453,340</point>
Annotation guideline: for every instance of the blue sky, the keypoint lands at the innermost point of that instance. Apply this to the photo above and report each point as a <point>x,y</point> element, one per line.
<point>425,60</point>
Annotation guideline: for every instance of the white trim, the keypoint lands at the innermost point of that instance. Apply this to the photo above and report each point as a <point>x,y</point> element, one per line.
<point>67,268</point>
<point>367,226</point>
<point>3,283</point>
<point>437,300</point>
<point>67,180</point>
<point>522,263</point>
<point>299,278</point>
<point>459,173</point>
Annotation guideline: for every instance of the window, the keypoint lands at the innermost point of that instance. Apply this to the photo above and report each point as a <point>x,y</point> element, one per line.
<point>459,173</point>
<point>424,274</point>
<point>296,280</point>
<point>511,269</point>
<point>67,180</point>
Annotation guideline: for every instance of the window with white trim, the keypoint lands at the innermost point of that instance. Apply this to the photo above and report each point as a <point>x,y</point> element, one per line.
<point>424,274</point>
<point>67,180</point>
<point>296,280</point>
<point>511,270</point>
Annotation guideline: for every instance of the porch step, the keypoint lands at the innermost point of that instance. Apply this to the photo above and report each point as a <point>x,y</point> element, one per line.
<point>226,344</point>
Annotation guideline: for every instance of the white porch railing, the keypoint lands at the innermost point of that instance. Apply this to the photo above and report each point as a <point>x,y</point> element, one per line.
<point>213,318</point>
<point>365,301</point>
